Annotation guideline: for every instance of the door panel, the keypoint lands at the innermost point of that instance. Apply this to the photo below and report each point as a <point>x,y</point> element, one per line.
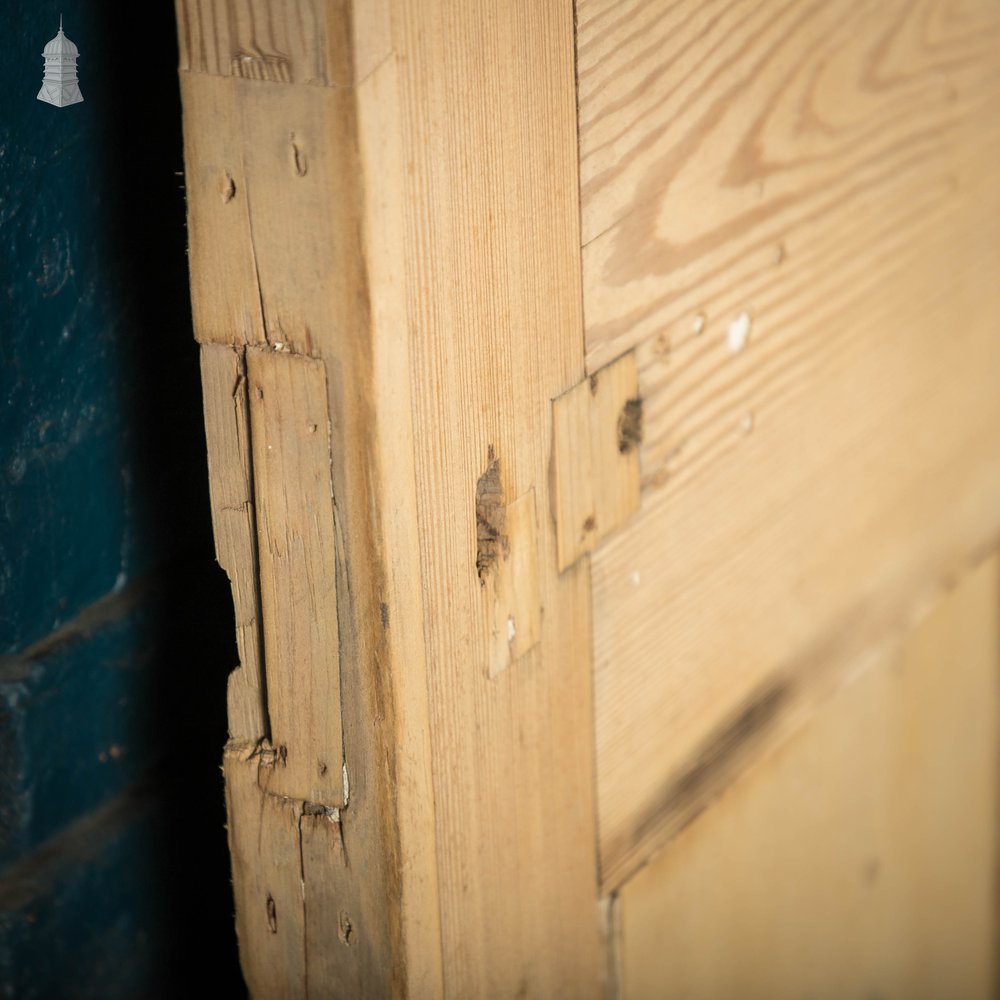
<point>857,860</point>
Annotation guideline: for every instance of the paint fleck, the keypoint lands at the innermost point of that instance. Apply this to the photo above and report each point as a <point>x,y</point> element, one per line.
<point>511,630</point>
<point>739,333</point>
<point>698,325</point>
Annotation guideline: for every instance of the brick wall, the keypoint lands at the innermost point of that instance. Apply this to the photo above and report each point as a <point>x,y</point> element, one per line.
<point>115,624</point>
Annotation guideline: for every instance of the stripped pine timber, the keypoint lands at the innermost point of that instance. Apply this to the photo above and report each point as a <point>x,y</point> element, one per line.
<point>432,276</point>
<point>290,252</point>
<point>791,214</point>
<point>858,860</point>
<point>493,294</point>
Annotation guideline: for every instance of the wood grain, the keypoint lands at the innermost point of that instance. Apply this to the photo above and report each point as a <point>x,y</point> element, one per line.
<point>493,296</point>
<point>224,298</point>
<point>279,257</point>
<point>267,880</point>
<point>227,435</point>
<point>509,585</point>
<point>820,407</point>
<point>294,41</point>
<point>424,267</point>
<point>271,199</point>
<point>596,432</point>
<point>859,859</point>
<point>720,139</point>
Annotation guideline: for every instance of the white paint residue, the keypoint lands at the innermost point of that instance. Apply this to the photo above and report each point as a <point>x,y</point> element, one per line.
<point>739,333</point>
<point>699,323</point>
<point>634,578</point>
<point>347,786</point>
<point>511,631</point>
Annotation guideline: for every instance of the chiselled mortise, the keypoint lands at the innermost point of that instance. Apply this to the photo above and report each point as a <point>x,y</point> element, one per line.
<point>267,419</point>
<point>293,488</point>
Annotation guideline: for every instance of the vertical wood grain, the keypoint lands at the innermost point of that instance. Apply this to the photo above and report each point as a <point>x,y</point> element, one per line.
<point>493,279</point>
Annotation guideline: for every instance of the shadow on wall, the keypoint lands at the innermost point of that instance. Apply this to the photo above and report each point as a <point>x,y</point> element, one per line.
<point>116,626</point>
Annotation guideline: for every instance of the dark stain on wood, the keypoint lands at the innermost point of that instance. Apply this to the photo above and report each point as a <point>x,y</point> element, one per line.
<point>630,426</point>
<point>491,518</point>
<point>722,756</point>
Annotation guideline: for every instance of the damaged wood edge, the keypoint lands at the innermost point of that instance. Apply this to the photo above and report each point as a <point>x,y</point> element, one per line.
<point>395,943</point>
<point>290,866</point>
<point>231,491</point>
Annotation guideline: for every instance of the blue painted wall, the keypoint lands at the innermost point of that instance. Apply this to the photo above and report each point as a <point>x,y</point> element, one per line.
<point>115,624</point>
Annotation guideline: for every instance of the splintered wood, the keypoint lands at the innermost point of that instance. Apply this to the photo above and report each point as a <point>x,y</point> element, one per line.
<point>227,434</point>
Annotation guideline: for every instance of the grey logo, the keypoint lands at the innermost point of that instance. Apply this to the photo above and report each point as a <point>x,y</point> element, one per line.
<point>59,85</point>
